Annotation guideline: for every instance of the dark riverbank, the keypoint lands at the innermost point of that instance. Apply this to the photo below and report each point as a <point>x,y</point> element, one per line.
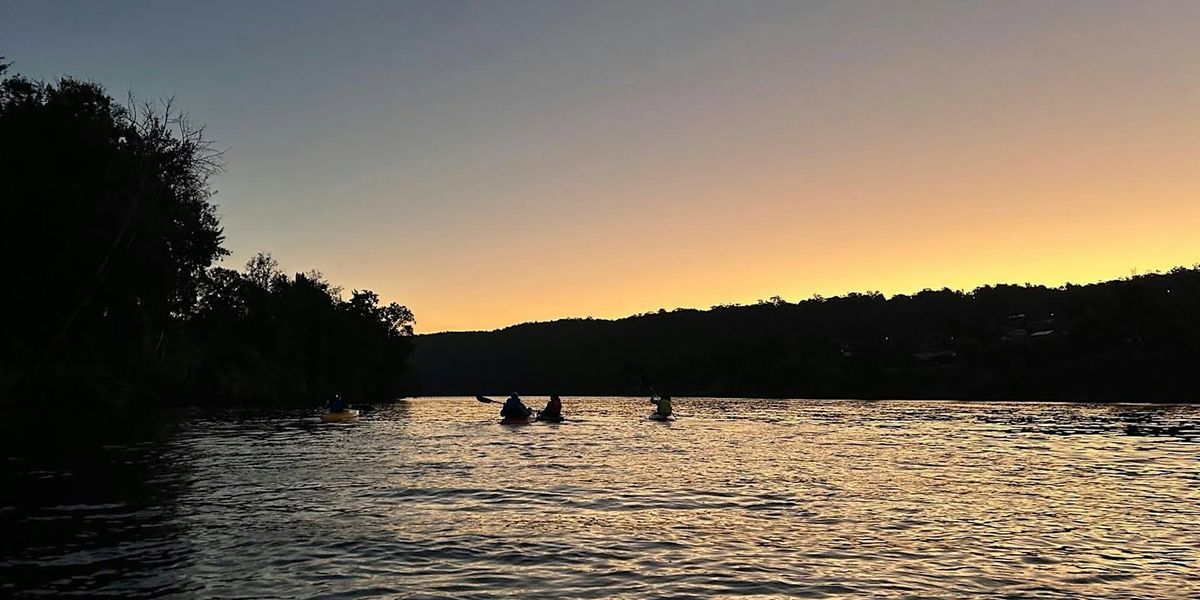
<point>1132,340</point>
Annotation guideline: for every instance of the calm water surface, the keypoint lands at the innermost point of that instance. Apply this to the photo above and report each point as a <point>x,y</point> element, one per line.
<point>430,498</point>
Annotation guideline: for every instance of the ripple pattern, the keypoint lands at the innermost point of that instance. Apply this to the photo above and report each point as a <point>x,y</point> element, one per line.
<point>431,498</point>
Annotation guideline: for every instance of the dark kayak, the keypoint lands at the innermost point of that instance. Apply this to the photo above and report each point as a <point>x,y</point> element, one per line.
<point>518,420</point>
<point>550,419</point>
<point>657,417</point>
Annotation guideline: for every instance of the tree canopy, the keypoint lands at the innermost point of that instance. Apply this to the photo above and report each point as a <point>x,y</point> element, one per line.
<point>111,238</point>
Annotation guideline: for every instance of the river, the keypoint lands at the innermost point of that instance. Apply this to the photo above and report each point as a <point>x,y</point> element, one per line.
<point>431,498</point>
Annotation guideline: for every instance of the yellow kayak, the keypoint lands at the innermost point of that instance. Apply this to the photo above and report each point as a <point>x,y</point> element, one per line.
<point>339,417</point>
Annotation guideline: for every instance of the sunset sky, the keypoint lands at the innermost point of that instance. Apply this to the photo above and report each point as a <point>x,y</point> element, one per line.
<point>489,163</point>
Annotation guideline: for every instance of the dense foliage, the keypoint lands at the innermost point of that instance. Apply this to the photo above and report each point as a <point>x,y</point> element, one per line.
<point>270,336</point>
<point>1135,339</point>
<point>110,237</point>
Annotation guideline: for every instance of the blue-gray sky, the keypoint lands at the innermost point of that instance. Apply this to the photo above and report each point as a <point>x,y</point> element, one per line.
<point>494,162</point>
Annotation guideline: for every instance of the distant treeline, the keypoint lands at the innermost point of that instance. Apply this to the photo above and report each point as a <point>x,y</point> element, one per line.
<point>111,294</point>
<point>1135,339</point>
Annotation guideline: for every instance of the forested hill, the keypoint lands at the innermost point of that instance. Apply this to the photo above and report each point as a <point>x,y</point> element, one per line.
<point>1135,339</point>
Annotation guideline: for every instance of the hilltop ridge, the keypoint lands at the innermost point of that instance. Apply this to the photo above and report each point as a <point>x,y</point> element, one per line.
<point>1131,339</point>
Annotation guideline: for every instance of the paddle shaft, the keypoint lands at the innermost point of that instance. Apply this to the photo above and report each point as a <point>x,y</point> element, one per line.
<point>651,388</point>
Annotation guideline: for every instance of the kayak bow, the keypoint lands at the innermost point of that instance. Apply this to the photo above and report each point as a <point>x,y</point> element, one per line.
<point>518,421</point>
<point>340,417</point>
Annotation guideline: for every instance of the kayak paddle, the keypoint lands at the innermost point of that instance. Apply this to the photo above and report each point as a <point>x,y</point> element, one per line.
<point>649,387</point>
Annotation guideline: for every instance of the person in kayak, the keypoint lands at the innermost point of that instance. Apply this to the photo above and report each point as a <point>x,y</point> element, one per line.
<point>515,409</point>
<point>337,404</point>
<point>662,405</point>
<point>553,410</point>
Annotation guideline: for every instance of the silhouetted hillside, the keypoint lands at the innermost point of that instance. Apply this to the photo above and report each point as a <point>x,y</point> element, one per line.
<point>1133,339</point>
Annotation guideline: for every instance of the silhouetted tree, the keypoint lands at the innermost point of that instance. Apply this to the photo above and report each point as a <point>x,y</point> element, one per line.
<point>107,212</point>
<point>277,338</point>
<point>110,236</point>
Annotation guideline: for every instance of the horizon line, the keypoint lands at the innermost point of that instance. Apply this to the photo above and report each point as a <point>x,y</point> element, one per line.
<point>1134,273</point>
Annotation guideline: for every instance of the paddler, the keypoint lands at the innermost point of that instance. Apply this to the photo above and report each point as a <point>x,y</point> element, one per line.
<point>662,405</point>
<point>553,410</point>
<point>337,404</point>
<point>515,409</point>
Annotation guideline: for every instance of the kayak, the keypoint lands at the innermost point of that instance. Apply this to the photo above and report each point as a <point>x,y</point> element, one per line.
<point>518,421</point>
<point>657,417</point>
<point>340,417</point>
<point>549,419</point>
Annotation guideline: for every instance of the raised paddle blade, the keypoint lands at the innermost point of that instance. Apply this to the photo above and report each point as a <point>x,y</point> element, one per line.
<point>486,400</point>
<point>647,385</point>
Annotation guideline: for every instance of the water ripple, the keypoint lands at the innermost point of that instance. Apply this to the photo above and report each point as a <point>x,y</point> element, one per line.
<point>430,498</point>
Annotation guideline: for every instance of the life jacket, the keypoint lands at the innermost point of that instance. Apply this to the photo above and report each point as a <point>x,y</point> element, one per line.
<point>514,408</point>
<point>553,408</point>
<point>664,406</point>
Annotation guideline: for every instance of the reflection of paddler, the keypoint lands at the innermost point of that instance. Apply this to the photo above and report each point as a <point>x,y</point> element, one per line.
<point>1132,429</point>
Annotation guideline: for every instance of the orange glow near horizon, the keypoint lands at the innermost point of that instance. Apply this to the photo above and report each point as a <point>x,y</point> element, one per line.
<point>741,258</point>
<point>1044,205</point>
